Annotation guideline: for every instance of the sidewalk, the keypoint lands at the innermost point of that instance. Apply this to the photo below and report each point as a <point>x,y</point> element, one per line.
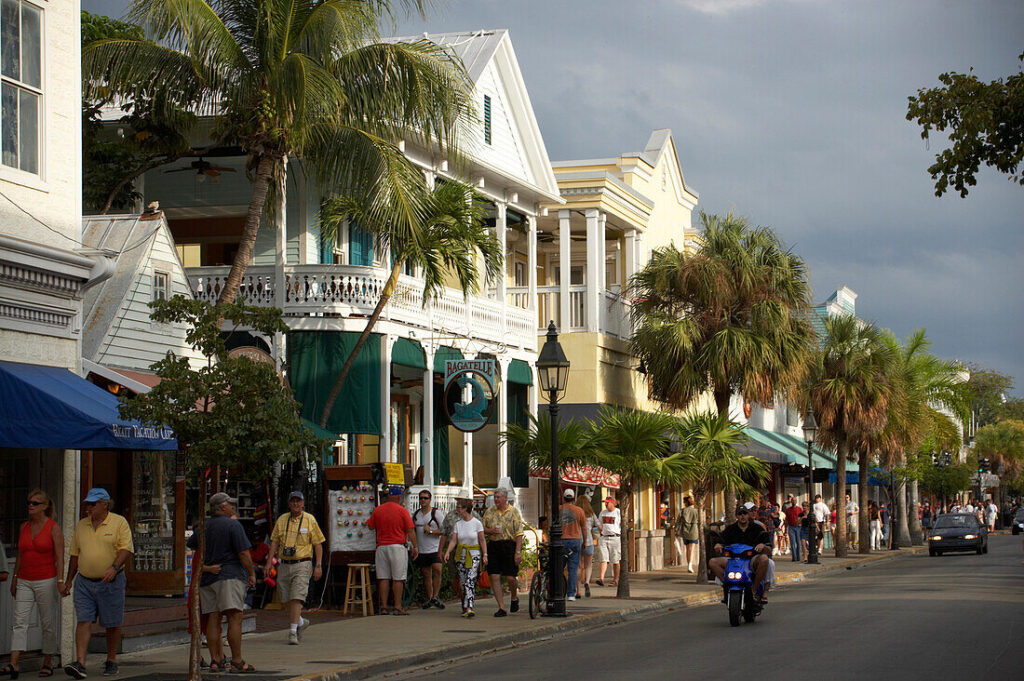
<point>359,647</point>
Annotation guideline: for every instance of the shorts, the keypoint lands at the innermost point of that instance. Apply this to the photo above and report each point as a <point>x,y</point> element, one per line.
<point>293,580</point>
<point>223,595</point>
<point>588,550</point>
<point>392,562</point>
<point>501,558</point>
<point>691,541</point>
<point>611,549</point>
<point>425,560</point>
<point>102,600</point>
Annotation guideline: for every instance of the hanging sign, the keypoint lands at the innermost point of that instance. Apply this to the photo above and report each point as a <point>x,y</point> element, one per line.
<point>394,473</point>
<point>470,390</point>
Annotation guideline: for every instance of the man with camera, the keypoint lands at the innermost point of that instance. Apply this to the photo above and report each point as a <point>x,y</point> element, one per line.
<point>298,544</point>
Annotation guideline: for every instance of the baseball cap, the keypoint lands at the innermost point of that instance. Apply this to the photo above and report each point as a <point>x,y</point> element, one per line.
<point>395,490</point>
<point>221,498</point>
<point>296,495</point>
<point>569,494</point>
<point>749,505</point>
<point>611,499</point>
<point>97,494</point>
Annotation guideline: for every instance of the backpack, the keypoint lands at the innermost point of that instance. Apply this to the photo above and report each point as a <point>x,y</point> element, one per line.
<point>433,516</point>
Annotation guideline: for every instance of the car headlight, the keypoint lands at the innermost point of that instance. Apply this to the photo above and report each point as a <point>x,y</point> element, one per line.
<point>970,536</point>
<point>936,537</point>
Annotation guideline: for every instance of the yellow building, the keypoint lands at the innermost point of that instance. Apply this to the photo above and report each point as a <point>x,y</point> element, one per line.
<point>616,211</point>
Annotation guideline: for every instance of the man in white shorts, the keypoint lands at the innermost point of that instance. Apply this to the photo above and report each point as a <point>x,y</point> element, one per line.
<point>394,527</point>
<point>609,543</point>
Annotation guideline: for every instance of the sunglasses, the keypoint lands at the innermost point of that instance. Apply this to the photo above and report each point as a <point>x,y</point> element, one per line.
<point>36,503</point>
<point>742,512</point>
<point>424,498</point>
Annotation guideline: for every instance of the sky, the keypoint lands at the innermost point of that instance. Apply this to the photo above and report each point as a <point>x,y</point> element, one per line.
<point>792,114</point>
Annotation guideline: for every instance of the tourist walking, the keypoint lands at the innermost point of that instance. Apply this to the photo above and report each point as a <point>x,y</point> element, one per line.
<point>821,515</point>
<point>573,524</point>
<point>793,514</point>
<point>298,544</point>
<point>470,550</point>
<point>689,532</point>
<point>101,546</point>
<point>34,584</point>
<point>852,522</point>
<point>503,528</point>
<point>589,545</point>
<point>394,528</point>
<point>991,513</point>
<point>429,530</point>
<point>875,525</point>
<point>609,544</point>
<point>228,571</point>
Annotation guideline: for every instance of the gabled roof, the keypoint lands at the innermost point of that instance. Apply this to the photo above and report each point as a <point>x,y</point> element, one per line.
<point>474,48</point>
<point>659,144</point>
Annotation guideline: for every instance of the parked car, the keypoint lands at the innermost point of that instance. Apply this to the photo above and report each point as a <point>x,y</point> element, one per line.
<point>1017,524</point>
<point>957,532</point>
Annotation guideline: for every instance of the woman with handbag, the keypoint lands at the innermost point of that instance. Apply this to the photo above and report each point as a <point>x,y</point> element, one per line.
<point>470,551</point>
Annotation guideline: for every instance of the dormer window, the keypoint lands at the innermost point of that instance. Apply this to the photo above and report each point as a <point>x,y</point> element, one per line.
<point>487,119</point>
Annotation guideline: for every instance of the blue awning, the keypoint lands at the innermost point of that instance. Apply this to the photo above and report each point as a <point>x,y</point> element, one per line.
<point>51,408</point>
<point>876,477</point>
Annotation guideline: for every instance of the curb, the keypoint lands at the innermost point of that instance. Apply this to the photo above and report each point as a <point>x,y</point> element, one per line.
<point>568,625</point>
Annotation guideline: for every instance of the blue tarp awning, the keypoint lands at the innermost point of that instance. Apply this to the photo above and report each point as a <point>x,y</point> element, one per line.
<point>52,408</point>
<point>876,477</point>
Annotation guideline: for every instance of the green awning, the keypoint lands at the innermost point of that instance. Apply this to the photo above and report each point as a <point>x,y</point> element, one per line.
<point>519,372</point>
<point>314,358</point>
<point>408,353</point>
<point>794,448</point>
<point>443,354</point>
<point>321,433</point>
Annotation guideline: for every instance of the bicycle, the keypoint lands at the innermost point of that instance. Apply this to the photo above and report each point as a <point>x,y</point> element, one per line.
<point>539,584</point>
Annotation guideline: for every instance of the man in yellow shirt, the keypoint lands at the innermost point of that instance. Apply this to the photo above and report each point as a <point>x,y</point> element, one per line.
<point>503,529</point>
<point>100,549</point>
<point>298,544</point>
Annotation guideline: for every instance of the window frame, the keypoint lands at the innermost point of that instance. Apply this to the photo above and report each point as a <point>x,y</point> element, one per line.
<point>156,289</point>
<point>488,107</point>
<point>15,173</point>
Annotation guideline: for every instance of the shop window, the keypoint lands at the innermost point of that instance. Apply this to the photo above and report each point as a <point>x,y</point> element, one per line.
<point>160,286</point>
<point>20,84</point>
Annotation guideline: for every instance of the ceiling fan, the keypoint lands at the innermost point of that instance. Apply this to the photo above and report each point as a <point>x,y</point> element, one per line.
<point>548,237</point>
<point>203,168</point>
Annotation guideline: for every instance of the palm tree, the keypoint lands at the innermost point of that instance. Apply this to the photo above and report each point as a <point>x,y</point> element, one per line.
<point>448,238</point>
<point>931,389</point>
<point>1003,443</point>
<point>710,461</point>
<point>287,79</point>
<point>729,317</point>
<point>849,391</point>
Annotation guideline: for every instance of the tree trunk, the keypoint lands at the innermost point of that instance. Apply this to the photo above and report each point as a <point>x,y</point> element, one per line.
<point>196,638</point>
<point>900,517</point>
<point>863,519</point>
<point>699,499</point>
<point>339,381</point>
<point>839,538</point>
<point>260,185</point>
<point>913,520</point>
<point>135,174</point>
<point>722,398</point>
<point>627,517</point>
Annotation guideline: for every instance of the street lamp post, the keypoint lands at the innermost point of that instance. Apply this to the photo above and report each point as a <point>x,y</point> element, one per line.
<point>810,429</point>
<point>553,372</point>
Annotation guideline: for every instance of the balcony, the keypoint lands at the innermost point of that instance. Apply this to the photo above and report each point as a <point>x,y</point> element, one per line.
<point>613,310</point>
<point>353,291</point>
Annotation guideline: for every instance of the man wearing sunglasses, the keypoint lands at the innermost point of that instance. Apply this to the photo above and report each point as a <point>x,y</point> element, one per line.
<point>744,531</point>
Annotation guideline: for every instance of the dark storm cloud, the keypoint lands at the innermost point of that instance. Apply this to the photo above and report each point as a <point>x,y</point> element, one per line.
<point>791,112</point>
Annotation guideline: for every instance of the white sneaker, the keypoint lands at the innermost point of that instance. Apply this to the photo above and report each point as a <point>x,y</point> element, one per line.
<point>571,598</point>
<point>689,568</point>
<point>303,623</point>
<point>293,638</point>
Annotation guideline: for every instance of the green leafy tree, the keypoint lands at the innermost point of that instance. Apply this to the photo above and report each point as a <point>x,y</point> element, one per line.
<point>1003,444</point>
<point>446,239</point>
<point>710,461</point>
<point>233,412</point>
<point>731,316</point>
<point>945,482</point>
<point>989,392</point>
<point>985,123</point>
<point>285,79</point>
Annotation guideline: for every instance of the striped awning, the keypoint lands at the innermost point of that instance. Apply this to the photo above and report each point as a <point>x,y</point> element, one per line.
<point>582,475</point>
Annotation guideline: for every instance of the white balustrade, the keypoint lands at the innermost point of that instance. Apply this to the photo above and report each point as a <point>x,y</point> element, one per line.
<point>614,309</point>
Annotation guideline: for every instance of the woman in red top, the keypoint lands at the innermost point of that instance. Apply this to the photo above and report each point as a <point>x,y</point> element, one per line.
<point>35,583</point>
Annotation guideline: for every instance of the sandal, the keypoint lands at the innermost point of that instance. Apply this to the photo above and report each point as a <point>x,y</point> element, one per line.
<point>219,665</point>
<point>399,611</point>
<point>10,671</point>
<point>45,671</point>
<point>242,667</point>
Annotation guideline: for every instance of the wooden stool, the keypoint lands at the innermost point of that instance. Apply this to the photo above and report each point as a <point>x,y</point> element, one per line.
<point>364,597</point>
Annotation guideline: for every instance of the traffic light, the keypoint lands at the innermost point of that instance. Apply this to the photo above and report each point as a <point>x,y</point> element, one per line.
<point>984,465</point>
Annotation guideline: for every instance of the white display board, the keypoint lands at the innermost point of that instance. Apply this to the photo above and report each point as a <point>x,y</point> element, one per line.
<point>349,508</point>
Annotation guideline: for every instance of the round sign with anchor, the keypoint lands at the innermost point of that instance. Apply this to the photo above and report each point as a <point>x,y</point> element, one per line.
<point>471,387</point>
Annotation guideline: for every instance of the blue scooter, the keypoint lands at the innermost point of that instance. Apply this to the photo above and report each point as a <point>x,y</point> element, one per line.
<point>739,583</point>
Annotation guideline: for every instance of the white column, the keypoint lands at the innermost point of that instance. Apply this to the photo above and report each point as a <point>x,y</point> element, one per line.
<point>595,246</point>
<point>602,275</point>
<point>280,255</point>
<point>427,422</point>
<point>500,225</point>
<point>564,246</point>
<point>71,490</point>
<point>385,397</point>
<point>503,467</point>
<point>629,257</point>
<point>531,265</point>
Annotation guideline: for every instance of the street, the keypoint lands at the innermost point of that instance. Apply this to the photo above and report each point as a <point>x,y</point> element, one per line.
<point>957,616</point>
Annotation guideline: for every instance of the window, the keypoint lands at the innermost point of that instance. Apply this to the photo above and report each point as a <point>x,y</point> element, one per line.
<point>20,84</point>
<point>519,274</point>
<point>159,286</point>
<point>487,118</point>
<point>360,246</point>
<point>792,415</point>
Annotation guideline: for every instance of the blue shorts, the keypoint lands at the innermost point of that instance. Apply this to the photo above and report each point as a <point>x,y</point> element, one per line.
<point>102,600</point>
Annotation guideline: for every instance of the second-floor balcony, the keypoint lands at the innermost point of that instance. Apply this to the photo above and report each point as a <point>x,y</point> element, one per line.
<point>613,313</point>
<point>354,291</point>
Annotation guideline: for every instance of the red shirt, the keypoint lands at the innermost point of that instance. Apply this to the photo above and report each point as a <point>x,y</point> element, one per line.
<point>391,520</point>
<point>38,560</point>
<point>793,514</point>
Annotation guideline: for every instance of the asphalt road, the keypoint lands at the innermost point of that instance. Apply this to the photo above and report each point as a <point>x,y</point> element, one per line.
<point>958,617</point>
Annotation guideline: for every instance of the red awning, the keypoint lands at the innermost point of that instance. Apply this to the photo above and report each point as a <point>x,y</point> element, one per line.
<point>582,475</point>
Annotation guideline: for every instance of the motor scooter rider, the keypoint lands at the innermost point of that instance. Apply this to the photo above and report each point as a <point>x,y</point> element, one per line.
<point>744,531</point>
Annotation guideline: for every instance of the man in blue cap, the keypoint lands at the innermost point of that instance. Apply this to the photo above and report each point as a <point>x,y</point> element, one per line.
<point>101,547</point>
<point>394,527</point>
